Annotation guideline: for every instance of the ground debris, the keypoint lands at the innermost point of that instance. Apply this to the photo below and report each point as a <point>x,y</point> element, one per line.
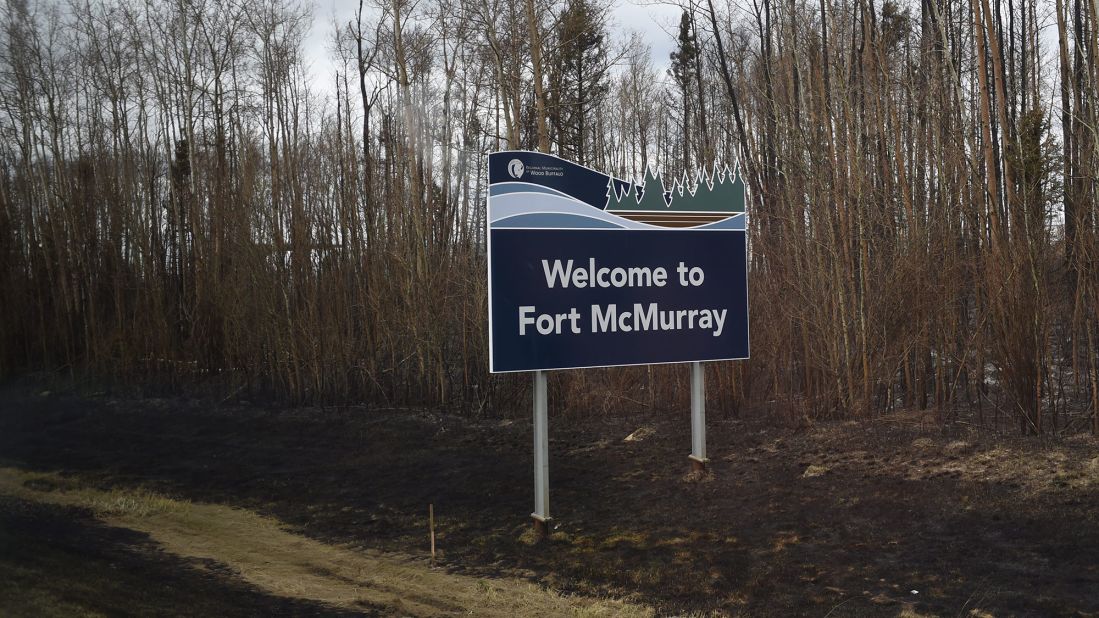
<point>640,434</point>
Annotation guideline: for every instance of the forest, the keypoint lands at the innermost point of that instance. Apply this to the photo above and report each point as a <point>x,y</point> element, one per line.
<point>181,206</point>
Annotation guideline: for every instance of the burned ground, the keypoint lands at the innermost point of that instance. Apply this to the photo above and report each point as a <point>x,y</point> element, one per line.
<point>57,561</point>
<point>861,518</point>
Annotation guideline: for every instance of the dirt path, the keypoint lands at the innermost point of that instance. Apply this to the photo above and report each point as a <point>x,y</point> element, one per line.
<point>262,552</point>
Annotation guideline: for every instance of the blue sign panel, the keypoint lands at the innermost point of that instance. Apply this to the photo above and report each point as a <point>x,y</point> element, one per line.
<point>587,270</point>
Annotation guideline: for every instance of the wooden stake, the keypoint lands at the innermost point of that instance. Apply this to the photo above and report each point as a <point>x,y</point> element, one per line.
<point>431,524</point>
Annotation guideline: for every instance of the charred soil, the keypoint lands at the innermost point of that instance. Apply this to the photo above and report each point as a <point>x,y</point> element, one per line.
<point>877,517</point>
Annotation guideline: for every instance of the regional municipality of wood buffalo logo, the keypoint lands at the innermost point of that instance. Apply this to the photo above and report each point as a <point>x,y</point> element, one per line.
<point>515,168</point>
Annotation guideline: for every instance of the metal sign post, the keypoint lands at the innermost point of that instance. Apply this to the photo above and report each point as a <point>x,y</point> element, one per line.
<point>541,513</point>
<point>698,418</point>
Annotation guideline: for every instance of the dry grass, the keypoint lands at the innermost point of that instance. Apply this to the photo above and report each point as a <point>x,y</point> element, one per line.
<point>280,562</point>
<point>138,503</point>
<point>640,434</point>
<point>1034,469</point>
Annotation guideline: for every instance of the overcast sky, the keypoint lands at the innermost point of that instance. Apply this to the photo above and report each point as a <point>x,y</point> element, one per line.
<point>653,21</point>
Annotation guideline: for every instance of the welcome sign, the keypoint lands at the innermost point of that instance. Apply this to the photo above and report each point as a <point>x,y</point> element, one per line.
<point>587,270</point>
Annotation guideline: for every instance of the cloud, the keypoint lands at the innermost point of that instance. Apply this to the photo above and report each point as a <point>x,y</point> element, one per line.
<point>654,22</point>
